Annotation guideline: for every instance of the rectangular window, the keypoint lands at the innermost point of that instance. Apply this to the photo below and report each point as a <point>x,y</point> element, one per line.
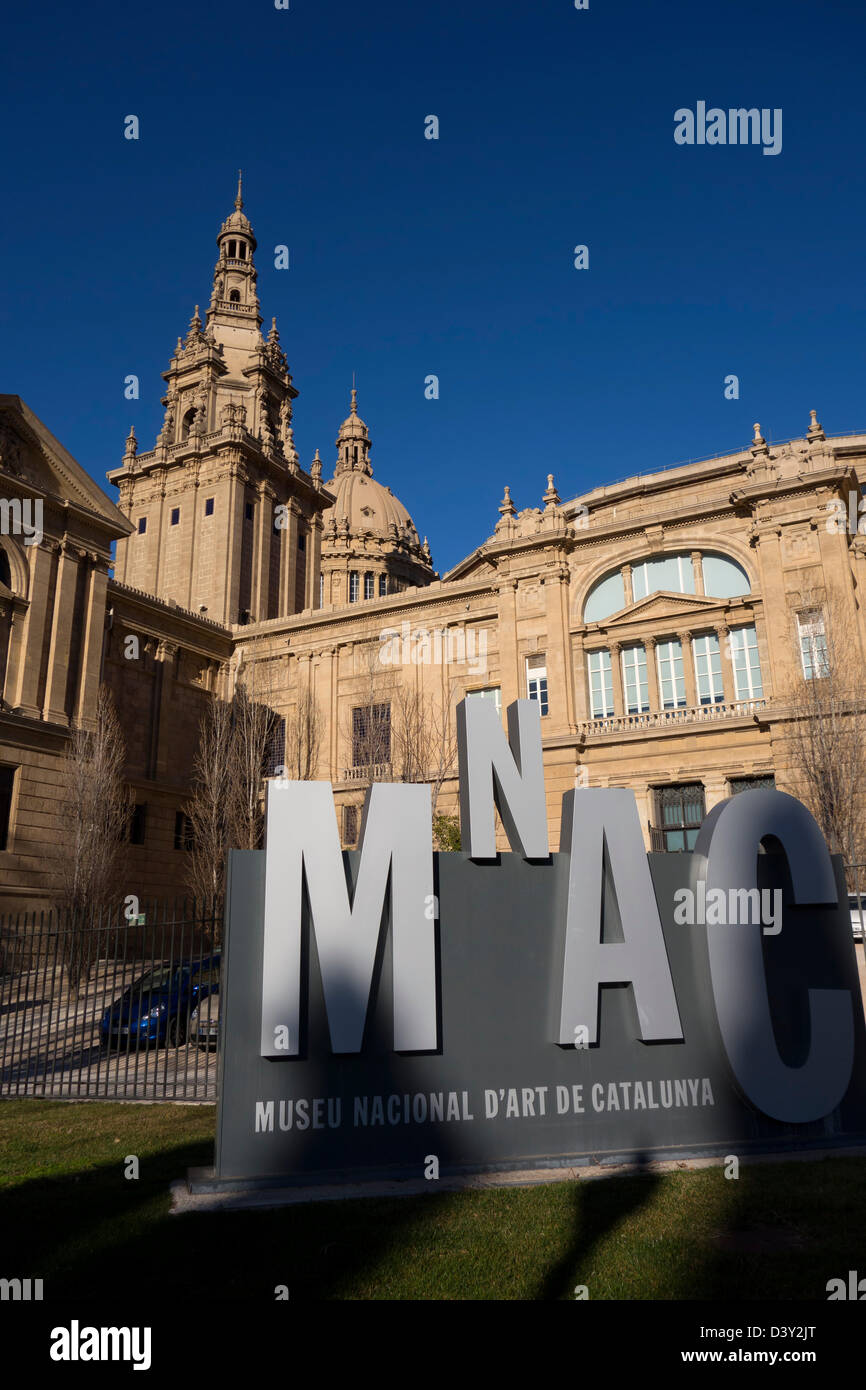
<point>208,506</point>
<point>350,824</point>
<point>680,811</point>
<point>302,540</point>
<point>248,511</point>
<point>371,735</point>
<point>491,692</point>
<point>708,669</point>
<point>536,681</point>
<point>353,587</point>
<point>137,824</point>
<point>368,586</point>
<point>813,644</point>
<point>175,515</point>
<point>600,684</point>
<point>634,680</point>
<point>752,784</point>
<point>383,585</point>
<point>275,749</point>
<point>142,525</point>
<point>672,681</point>
<point>7,785</point>
<point>182,831</point>
<point>747,667</point>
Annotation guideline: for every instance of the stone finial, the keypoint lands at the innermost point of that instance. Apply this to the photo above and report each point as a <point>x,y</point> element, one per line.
<point>551,497</point>
<point>179,349</point>
<point>506,506</point>
<point>354,410</point>
<point>194,331</point>
<point>274,336</point>
<point>131,447</point>
<point>425,551</point>
<point>239,200</point>
<point>816,429</point>
<point>759,443</point>
<point>316,470</point>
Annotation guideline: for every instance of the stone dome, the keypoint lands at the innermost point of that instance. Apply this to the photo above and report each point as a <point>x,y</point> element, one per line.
<point>367,526</point>
<point>367,505</point>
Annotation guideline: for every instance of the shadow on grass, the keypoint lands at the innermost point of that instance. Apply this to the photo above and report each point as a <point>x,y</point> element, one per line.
<point>598,1206</point>
<point>97,1236</point>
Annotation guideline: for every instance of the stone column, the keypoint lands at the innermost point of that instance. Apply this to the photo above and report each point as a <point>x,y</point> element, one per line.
<point>560,683</point>
<point>509,662</point>
<point>580,679</point>
<point>723,633</point>
<point>324,670</point>
<point>166,656</point>
<point>616,671</point>
<point>54,706</point>
<point>160,533</point>
<point>628,587</point>
<point>688,669</point>
<point>314,561</point>
<point>29,664</point>
<point>17,619</point>
<point>782,651</point>
<point>334,716</point>
<point>652,675</point>
<point>698,571</point>
<point>289,559</point>
<point>262,572</point>
<point>91,647</point>
<point>193,543</point>
<point>234,549</point>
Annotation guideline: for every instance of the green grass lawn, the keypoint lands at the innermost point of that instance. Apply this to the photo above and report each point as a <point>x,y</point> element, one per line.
<point>68,1215</point>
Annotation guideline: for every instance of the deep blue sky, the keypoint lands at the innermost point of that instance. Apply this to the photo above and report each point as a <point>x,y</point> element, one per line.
<point>453,257</point>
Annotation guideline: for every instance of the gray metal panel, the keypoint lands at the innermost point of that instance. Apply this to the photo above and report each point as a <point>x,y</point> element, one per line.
<point>501,944</point>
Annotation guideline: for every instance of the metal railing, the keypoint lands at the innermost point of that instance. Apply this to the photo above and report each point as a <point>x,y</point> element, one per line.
<point>855,875</point>
<point>370,772</point>
<point>665,718</point>
<point>109,1009</point>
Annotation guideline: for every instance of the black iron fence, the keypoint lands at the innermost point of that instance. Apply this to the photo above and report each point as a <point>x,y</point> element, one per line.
<point>117,1010</point>
<point>111,1009</point>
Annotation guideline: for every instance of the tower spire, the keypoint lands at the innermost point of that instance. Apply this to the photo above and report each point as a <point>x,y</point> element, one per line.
<point>234,304</point>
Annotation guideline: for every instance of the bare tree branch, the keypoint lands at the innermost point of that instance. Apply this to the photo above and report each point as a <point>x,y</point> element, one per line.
<point>826,736</point>
<point>95,810</point>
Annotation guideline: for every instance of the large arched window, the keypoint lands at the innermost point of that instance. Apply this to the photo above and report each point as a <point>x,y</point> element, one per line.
<point>5,569</point>
<point>235,297</point>
<point>722,578</point>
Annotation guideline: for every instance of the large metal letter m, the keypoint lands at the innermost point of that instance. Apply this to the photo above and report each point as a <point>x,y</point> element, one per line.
<point>303,846</point>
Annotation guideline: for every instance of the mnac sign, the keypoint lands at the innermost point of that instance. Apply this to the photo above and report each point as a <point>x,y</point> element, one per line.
<point>387,1006</point>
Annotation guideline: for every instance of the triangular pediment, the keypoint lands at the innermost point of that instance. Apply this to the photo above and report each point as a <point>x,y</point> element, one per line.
<point>661,604</point>
<point>475,566</point>
<point>30,454</point>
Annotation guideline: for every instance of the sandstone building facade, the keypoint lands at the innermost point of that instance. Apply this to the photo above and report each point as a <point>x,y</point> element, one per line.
<point>660,621</point>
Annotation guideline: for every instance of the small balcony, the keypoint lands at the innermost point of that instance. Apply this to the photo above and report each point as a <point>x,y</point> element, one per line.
<point>373,772</point>
<point>671,718</point>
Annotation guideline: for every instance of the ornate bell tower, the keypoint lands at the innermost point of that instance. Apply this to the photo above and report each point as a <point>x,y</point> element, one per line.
<point>226,521</point>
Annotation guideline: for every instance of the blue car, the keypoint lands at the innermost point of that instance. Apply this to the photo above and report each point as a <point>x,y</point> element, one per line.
<point>156,1008</point>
